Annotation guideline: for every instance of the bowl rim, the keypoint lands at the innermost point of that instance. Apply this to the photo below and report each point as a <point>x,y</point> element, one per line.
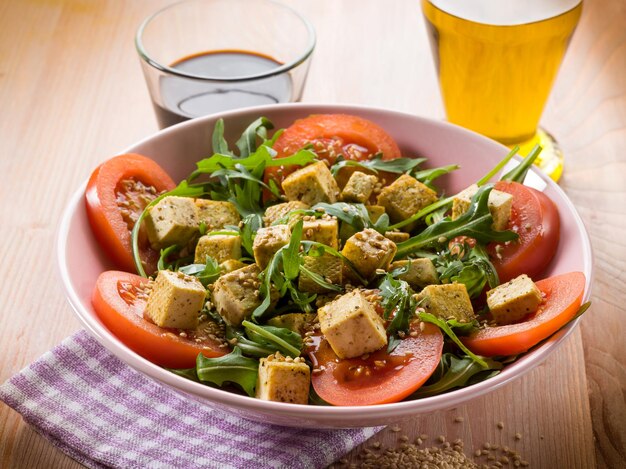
<point>211,395</point>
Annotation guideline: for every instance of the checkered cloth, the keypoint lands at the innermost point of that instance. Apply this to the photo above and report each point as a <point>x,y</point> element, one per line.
<point>102,413</point>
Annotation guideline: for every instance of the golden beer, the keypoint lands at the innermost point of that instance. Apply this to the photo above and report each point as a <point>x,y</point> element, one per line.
<point>497,61</point>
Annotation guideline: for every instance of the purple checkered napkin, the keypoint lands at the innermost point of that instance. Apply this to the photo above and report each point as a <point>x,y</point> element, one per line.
<point>103,413</point>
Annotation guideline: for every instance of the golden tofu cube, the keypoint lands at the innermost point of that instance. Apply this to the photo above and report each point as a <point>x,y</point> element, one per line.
<point>328,266</point>
<point>513,300</point>
<point>375,212</point>
<point>236,294</point>
<point>322,230</point>
<point>172,220</point>
<point>274,213</point>
<point>268,241</point>
<point>368,250</point>
<point>359,187</point>
<point>312,184</point>
<point>296,322</point>
<point>283,379</point>
<point>175,300</point>
<point>421,272</point>
<point>351,325</point>
<point>397,236</point>
<point>219,247</point>
<point>216,214</point>
<point>499,204</point>
<point>405,197</point>
<point>230,265</point>
<point>449,301</point>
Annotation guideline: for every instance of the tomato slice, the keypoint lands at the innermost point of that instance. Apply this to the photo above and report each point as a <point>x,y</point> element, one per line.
<point>117,192</point>
<point>331,135</point>
<point>535,218</point>
<point>563,297</point>
<point>382,377</point>
<point>118,303</point>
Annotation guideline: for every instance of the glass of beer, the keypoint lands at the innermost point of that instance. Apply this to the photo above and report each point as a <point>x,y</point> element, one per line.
<point>497,61</point>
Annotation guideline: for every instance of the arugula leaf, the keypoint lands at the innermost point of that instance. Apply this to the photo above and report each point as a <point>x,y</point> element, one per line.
<point>396,296</point>
<point>470,266</point>
<point>218,142</point>
<point>518,174</point>
<point>162,264</point>
<point>283,340</point>
<point>189,373</point>
<point>427,176</point>
<point>247,141</point>
<point>317,278</point>
<point>475,223</point>
<point>251,224</point>
<point>355,215</point>
<point>248,347</point>
<point>455,372</point>
<point>291,257</point>
<point>232,368</point>
<point>445,327</point>
<point>376,164</point>
<point>485,179</point>
<point>313,248</point>
<point>184,189</point>
<point>207,273</point>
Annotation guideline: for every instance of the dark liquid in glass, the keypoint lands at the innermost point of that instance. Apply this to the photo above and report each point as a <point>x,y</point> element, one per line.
<point>186,98</point>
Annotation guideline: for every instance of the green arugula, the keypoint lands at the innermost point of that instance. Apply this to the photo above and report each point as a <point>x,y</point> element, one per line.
<point>456,372</point>
<point>427,176</point>
<point>232,368</point>
<point>475,223</point>
<point>376,164</point>
<point>283,340</point>
<point>446,327</point>
<point>397,298</point>
<point>518,174</point>
<point>207,273</point>
<point>251,224</point>
<point>469,266</point>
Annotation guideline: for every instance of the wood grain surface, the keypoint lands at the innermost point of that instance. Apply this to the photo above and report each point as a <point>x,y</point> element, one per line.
<point>72,94</point>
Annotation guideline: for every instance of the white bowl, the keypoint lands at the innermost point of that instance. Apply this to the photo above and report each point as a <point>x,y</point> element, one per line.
<point>177,149</point>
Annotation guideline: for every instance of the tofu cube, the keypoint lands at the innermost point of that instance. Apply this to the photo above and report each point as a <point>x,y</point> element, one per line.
<point>397,236</point>
<point>268,241</point>
<point>449,301</point>
<point>219,247</point>
<point>230,265</point>
<point>499,204</point>
<point>513,300</point>
<point>175,300</point>
<point>322,230</point>
<point>359,187</point>
<point>351,325</point>
<point>216,214</point>
<point>297,322</point>
<point>276,212</point>
<point>421,272</point>
<point>329,267</point>
<point>405,197</point>
<point>283,379</point>
<point>368,250</point>
<point>375,212</point>
<point>312,184</point>
<point>172,220</point>
<point>236,294</point>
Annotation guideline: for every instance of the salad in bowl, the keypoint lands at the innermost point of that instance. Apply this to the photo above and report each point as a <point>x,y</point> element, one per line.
<point>327,265</point>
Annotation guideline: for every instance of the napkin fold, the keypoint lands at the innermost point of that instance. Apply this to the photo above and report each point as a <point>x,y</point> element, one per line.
<point>102,413</point>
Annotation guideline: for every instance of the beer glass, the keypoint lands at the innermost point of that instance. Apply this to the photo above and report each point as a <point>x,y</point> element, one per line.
<point>496,61</point>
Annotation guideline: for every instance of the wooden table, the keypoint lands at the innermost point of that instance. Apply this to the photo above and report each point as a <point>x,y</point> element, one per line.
<point>73,94</point>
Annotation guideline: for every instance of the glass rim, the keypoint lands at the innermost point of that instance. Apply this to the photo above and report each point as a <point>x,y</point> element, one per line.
<point>145,56</point>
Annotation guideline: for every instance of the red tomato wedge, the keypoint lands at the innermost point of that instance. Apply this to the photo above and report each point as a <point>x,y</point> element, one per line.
<point>563,297</point>
<point>117,192</point>
<point>331,135</point>
<point>535,218</point>
<point>383,377</point>
<point>116,302</point>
